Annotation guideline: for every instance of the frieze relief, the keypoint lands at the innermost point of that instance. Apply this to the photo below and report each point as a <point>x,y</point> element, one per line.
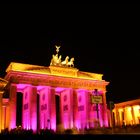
<point>63,71</point>
<point>58,81</point>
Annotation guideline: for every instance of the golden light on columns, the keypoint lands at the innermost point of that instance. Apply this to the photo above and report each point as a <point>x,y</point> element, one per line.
<point>3,83</point>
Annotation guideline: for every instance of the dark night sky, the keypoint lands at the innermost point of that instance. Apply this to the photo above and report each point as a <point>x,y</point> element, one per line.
<point>102,38</point>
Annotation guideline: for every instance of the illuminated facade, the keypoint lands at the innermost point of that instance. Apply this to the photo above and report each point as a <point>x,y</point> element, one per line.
<point>3,84</point>
<point>56,95</point>
<point>127,113</point>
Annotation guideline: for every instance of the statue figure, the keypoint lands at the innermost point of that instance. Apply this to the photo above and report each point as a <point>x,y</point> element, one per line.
<point>55,60</point>
<point>57,48</point>
<point>59,60</point>
<point>65,62</point>
<point>70,63</point>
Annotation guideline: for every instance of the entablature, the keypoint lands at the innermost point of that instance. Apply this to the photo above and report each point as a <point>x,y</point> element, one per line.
<point>53,80</point>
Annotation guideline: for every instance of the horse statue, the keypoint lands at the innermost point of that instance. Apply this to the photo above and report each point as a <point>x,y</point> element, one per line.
<point>70,63</point>
<point>65,62</point>
<point>59,60</point>
<point>55,60</point>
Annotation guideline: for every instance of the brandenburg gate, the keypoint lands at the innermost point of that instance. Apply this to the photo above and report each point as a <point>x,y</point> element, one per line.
<point>56,95</point>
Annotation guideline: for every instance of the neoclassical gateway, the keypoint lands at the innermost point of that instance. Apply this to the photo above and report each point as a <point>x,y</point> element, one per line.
<point>42,97</point>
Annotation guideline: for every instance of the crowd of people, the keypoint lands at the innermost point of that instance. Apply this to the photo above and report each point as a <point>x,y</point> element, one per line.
<point>109,130</point>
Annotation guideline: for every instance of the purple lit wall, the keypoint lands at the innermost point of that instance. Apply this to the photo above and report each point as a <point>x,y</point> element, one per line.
<point>82,109</point>
<point>29,120</point>
<point>76,109</point>
<point>33,108</point>
<point>44,108</point>
<point>67,108</point>
<point>25,109</point>
<point>52,108</point>
<point>93,115</point>
<point>100,107</point>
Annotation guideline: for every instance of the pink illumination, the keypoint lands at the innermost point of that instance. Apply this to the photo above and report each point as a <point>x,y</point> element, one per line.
<point>76,109</point>
<point>33,108</point>
<point>82,109</point>
<point>59,89</point>
<point>25,89</point>
<point>100,115</point>
<point>93,115</point>
<point>47,107</point>
<point>106,124</point>
<point>52,109</point>
<point>26,108</point>
<point>67,108</point>
<point>39,88</point>
<point>21,86</point>
<point>29,109</point>
<point>44,112</point>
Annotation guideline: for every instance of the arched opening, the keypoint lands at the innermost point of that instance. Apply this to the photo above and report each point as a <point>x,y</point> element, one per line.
<point>19,109</point>
<point>57,99</point>
<point>38,103</point>
<point>113,118</point>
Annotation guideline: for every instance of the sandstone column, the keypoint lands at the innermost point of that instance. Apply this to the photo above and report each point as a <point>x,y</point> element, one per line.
<point>0,111</point>
<point>13,98</point>
<point>33,108</point>
<point>133,115</point>
<point>44,108</point>
<point>75,109</point>
<point>67,108</point>
<point>51,97</point>
<point>29,120</point>
<point>83,109</point>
